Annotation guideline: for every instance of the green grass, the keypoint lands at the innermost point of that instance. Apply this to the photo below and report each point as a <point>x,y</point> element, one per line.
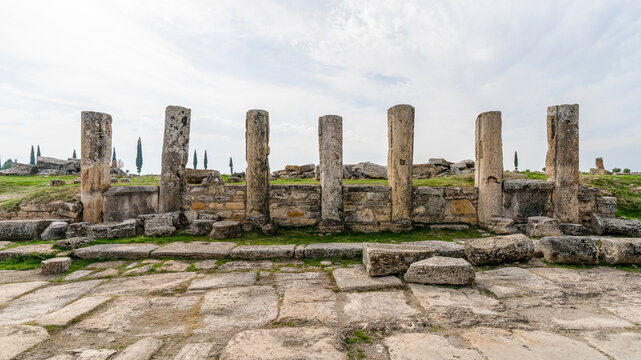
<point>308,235</point>
<point>623,187</point>
<point>24,262</point>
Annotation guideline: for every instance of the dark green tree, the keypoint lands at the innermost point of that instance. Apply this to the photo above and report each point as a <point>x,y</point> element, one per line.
<point>205,160</point>
<point>38,152</point>
<point>516,162</point>
<point>195,160</point>
<point>7,164</point>
<point>74,154</point>
<point>231,166</point>
<point>113,158</point>
<point>32,160</point>
<point>139,156</point>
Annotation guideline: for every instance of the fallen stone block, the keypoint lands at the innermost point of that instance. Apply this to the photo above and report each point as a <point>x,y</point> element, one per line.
<point>116,251</point>
<point>54,266</point>
<point>443,248</point>
<point>502,226</point>
<point>56,230</point>
<point>195,250</point>
<point>441,270</point>
<point>541,226</point>
<point>38,249</point>
<point>387,259</point>
<point>263,252</point>
<point>73,243</point>
<point>616,226</point>
<point>570,249</point>
<point>574,229</point>
<point>159,226</point>
<point>333,250</point>
<point>269,229</point>
<point>499,249</point>
<point>226,229</point>
<point>621,250</point>
<point>141,350</point>
<point>200,227</point>
<point>78,229</point>
<point>357,278</point>
<point>20,230</point>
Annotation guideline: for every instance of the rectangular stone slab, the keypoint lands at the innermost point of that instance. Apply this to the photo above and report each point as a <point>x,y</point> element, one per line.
<point>10,291</point>
<point>195,250</point>
<point>78,308</point>
<point>41,249</point>
<point>116,251</point>
<point>356,278</point>
<point>333,250</point>
<point>387,259</point>
<point>263,252</point>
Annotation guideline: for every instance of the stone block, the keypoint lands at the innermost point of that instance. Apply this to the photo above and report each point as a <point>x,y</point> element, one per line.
<point>20,230</point>
<point>443,248</point>
<point>357,278</point>
<point>441,270</point>
<point>570,249</point>
<point>141,350</point>
<point>616,226</point>
<point>502,226</point>
<point>73,243</point>
<point>540,226</point>
<point>573,229</point>
<point>56,265</point>
<point>606,205</point>
<point>195,250</point>
<point>621,250</point>
<point>78,229</point>
<point>499,249</point>
<point>38,249</point>
<point>127,202</point>
<point>333,250</point>
<point>387,259</point>
<point>116,251</point>
<point>263,252</point>
<point>200,227</point>
<point>525,198</point>
<point>56,230</point>
<point>226,229</point>
<point>159,226</point>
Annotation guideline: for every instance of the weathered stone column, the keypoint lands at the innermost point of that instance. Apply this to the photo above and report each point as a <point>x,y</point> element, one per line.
<point>94,163</point>
<point>400,158</point>
<point>562,161</point>
<point>330,149</point>
<point>257,174</point>
<point>488,176</point>
<point>175,152</point>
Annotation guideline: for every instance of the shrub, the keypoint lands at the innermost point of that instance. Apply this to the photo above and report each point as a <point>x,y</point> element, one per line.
<point>616,170</point>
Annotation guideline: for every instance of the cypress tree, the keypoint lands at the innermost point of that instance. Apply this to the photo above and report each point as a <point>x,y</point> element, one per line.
<point>516,161</point>
<point>114,155</point>
<point>139,156</point>
<point>7,164</point>
<point>38,153</point>
<point>231,166</point>
<point>205,160</point>
<point>74,154</point>
<point>32,160</point>
<point>195,160</point>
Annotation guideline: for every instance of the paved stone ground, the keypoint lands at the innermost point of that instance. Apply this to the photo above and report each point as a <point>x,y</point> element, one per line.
<point>290,310</point>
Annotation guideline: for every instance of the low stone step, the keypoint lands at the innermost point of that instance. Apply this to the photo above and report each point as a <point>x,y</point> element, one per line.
<point>443,248</point>
<point>195,250</point>
<point>441,271</point>
<point>499,249</point>
<point>226,229</point>
<point>573,250</point>
<point>56,265</point>
<point>388,259</point>
<point>357,278</point>
<point>263,252</point>
<point>38,249</point>
<point>74,242</point>
<point>116,251</point>
<point>331,250</point>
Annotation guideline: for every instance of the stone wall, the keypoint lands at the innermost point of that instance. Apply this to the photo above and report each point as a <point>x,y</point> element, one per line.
<point>53,210</point>
<point>127,202</point>
<point>368,208</point>
<point>433,205</point>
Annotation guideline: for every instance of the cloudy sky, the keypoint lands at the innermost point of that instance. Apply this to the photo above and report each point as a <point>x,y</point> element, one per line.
<point>301,59</point>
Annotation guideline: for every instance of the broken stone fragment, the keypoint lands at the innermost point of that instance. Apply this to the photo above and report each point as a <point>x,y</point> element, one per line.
<point>55,266</point>
<point>570,249</point>
<point>499,249</point>
<point>441,271</point>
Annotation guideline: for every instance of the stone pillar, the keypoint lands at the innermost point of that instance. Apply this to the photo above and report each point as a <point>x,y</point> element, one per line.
<point>599,164</point>
<point>400,158</point>
<point>330,149</point>
<point>257,174</point>
<point>562,162</point>
<point>175,153</point>
<point>488,176</point>
<point>94,163</point>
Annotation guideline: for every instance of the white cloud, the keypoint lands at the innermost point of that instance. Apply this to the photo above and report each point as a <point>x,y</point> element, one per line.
<point>300,60</point>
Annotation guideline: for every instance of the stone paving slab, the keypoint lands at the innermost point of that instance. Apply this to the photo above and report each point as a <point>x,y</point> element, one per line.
<point>332,250</point>
<point>244,265</point>
<point>43,301</point>
<point>416,346</point>
<point>39,249</point>
<point>620,346</point>
<point>95,354</point>
<point>195,250</point>
<point>76,309</point>
<point>503,344</point>
<point>141,350</point>
<point>380,308</point>
<point>105,265</point>
<point>10,291</point>
<point>9,276</point>
<point>115,251</point>
<point>513,281</point>
<point>15,339</point>
<point>206,264</point>
<point>197,351</point>
<point>443,248</point>
<point>312,304</point>
<point>222,280</point>
<point>432,298</point>
<point>148,284</point>
<point>577,317</point>
<point>238,308</point>
<point>356,278</point>
<point>263,252</point>
<point>4,244</point>
<point>284,281</point>
<point>286,343</point>
<point>78,274</point>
